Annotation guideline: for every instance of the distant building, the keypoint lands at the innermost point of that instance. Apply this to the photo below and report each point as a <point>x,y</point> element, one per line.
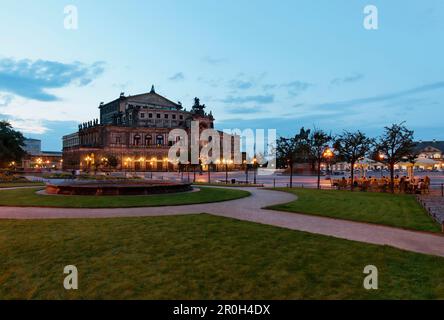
<point>430,149</point>
<point>38,159</point>
<point>134,130</point>
<point>33,146</point>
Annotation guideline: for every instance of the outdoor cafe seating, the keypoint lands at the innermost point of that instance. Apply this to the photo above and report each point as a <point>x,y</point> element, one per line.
<point>403,184</point>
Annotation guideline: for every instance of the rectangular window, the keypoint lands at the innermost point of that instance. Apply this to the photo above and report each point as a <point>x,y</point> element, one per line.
<point>166,116</point>
<point>150,115</point>
<point>181,117</point>
<point>142,115</point>
<point>158,116</point>
<point>174,116</point>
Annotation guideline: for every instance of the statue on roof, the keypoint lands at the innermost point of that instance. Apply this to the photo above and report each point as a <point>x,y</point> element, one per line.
<point>152,89</point>
<point>198,108</point>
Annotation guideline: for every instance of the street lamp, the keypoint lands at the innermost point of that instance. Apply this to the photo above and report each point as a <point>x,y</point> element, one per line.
<point>225,161</point>
<point>246,171</point>
<point>381,157</point>
<point>152,162</point>
<point>328,155</point>
<point>188,171</point>
<point>209,164</point>
<point>254,169</point>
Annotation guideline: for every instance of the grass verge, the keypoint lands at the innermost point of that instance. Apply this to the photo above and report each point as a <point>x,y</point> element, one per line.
<point>20,184</point>
<point>29,198</point>
<point>402,211</point>
<point>201,257</point>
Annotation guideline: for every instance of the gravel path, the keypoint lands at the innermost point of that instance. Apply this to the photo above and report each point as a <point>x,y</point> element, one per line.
<point>250,209</point>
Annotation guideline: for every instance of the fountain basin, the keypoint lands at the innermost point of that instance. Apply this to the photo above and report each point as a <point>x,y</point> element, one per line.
<point>116,188</point>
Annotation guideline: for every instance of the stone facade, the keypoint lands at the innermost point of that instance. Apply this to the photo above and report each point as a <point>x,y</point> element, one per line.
<point>132,134</point>
<point>431,149</point>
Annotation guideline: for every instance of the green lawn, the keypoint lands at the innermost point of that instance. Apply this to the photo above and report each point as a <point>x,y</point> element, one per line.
<point>29,198</point>
<point>402,211</point>
<point>20,184</point>
<point>201,257</point>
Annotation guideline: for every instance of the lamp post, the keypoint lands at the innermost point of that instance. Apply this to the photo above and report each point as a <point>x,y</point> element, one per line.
<point>381,158</point>
<point>254,169</point>
<point>152,167</point>
<point>209,171</point>
<point>188,170</point>
<point>328,155</point>
<point>246,171</point>
<point>226,170</point>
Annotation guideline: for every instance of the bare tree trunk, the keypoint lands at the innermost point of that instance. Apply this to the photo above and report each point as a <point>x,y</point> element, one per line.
<point>392,177</point>
<point>319,174</point>
<point>352,173</point>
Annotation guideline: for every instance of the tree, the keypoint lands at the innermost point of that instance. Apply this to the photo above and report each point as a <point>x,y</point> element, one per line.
<point>285,151</point>
<point>11,143</point>
<point>292,150</point>
<point>318,142</point>
<point>113,162</point>
<point>352,146</point>
<point>395,144</point>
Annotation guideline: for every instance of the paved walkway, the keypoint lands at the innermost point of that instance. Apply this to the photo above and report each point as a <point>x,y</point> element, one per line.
<point>434,204</point>
<point>250,209</point>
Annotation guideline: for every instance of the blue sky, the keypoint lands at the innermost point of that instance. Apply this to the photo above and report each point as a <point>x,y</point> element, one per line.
<point>254,63</point>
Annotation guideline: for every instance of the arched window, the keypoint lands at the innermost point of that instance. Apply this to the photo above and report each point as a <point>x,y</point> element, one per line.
<point>148,140</point>
<point>159,140</point>
<point>137,139</point>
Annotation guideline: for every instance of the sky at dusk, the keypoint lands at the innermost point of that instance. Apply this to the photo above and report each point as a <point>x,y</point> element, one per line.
<point>255,64</point>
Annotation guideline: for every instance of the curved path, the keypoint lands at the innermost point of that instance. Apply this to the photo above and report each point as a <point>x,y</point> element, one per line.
<point>250,209</point>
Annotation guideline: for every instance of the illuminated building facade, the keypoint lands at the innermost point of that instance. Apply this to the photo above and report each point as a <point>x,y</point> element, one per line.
<point>132,134</point>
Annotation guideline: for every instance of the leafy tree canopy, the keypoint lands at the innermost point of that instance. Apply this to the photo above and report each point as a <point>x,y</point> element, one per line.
<point>11,143</point>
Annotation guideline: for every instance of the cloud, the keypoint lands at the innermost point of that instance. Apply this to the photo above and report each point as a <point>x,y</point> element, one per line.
<point>293,88</point>
<point>385,97</point>
<point>349,79</point>
<point>244,82</point>
<point>260,99</point>
<point>269,86</point>
<point>214,83</point>
<point>248,110</point>
<point>177,77</point>
<point>50,132</point>
<point>213,60</point>
<point>29,126</point>
<point>296,87</point>
<point>241,84</point>
<point>5,99</point>
<point>30,79</point>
